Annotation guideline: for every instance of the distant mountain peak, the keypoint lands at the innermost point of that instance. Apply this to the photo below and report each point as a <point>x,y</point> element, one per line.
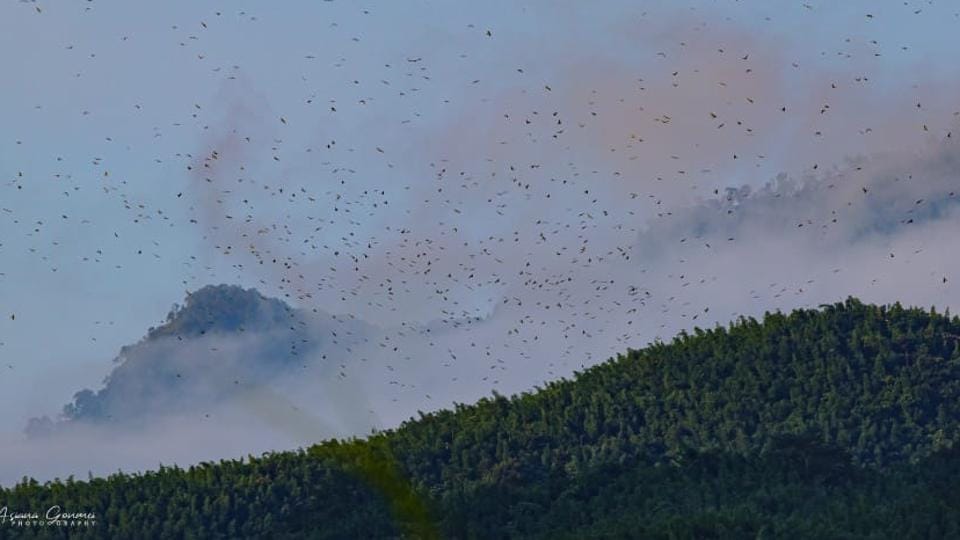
<point>222,308</point>
<point>222,340</point>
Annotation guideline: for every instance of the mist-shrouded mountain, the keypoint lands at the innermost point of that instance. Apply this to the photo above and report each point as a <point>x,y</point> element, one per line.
<point>838,422</point>
<point>222,342</point>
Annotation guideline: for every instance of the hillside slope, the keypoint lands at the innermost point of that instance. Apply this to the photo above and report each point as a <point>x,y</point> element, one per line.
<point>837,422</point>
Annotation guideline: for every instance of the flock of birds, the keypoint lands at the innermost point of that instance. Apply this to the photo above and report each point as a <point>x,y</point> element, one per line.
<point>491,235</point>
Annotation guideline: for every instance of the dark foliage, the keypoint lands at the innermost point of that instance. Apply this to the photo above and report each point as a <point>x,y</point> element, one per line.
<point>837,423</point>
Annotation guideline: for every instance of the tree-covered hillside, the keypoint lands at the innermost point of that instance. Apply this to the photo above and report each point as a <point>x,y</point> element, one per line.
<point>841,422</point>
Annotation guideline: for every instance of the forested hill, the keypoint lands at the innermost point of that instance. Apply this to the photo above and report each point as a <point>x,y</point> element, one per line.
<point>837,422</point>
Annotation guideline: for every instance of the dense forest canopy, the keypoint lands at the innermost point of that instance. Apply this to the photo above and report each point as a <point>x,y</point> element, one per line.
<point>837,422</point>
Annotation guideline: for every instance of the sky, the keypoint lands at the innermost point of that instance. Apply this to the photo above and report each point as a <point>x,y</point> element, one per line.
<point>540,184</point>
